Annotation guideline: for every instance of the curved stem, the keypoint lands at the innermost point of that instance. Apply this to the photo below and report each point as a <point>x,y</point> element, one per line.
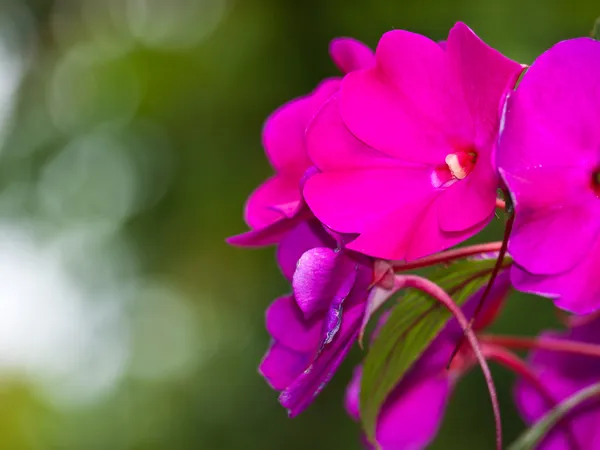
<point>447,256</point>
<point>516,365</point>
<point>441,296</point>
<point>497,268</point>
<point>546,343</point>
<point>535,434</point>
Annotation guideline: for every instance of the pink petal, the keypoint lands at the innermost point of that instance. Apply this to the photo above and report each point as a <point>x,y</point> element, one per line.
<point>577,290</point>
<point>552,118</point>
<point>283,133</point>
<point>268,235</point>
<point>469,202</point>
<point>484,75</point>
<point>287,325</point>
<point>419,409</point>
<point>352,201</point>
<point>322,277</point>
<point>550,241</point>
<point>427,236</point>
<point>350,55</point>
<point>332,147</point>
<point>352,397</point>
<point>546,188</point>
<point>404,106</point>
<point>279,189</point>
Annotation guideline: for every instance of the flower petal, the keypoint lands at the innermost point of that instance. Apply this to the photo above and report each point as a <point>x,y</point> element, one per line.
<point>469,202</point>
<point>404,105</point>
<point>350,55</point>
<point>372,200</point>
<point>484,75</point>
<point>331,146</point>
<point>287,325</point>
<point>552,118</point>
<point>306,235</point>
<point>552,241</point>
<point>282,365</point>
<point>259,211</point>
<point>577,290</point>
<point>283,133</point>
<point>300,394</point>
<point>323,277</point>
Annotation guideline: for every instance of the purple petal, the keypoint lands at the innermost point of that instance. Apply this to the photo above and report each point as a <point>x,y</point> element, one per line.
<point>300,394</point>
<point>306,235</point>
<point>323,277</point>
<point>282,365</point>
<point>287,325</point>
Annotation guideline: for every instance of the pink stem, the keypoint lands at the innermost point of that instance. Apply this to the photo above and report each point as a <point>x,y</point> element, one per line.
<point>441,296</point>
<point>500,203</point>
<point>447,256</point>
<point>546,343</point>
<point>516,365</point>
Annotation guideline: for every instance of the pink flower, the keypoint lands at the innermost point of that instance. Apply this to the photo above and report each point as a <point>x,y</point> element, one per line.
<point>405,148</point>
<point>314,328</point>
<point>549,157</point>
<point>276,206</point>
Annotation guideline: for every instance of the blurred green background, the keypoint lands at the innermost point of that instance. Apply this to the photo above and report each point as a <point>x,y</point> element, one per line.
<point>129,140</point>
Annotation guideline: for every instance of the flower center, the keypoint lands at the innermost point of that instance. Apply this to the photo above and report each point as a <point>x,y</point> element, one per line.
<point>596,182</point>
<point>458,166</point>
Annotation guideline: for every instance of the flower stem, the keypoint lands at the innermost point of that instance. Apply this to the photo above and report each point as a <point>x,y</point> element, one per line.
<point>516,365</point>
<point>442,296</point>
<point>447,256</point>
<point>546,343</point>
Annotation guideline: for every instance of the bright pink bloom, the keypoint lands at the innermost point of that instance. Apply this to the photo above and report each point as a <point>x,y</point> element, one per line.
<point>549,157</point>
<point>276,206</point>
<point>562,375</point>
<point>405,148</point>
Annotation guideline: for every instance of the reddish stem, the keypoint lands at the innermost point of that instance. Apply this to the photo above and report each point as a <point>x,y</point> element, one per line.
<point>546,343</point>
<point>441,296</point>
<point>447,256</point>
<point>516,365</point>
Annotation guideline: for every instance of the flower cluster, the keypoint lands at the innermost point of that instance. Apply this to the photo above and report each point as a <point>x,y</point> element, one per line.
<point>381,170</point>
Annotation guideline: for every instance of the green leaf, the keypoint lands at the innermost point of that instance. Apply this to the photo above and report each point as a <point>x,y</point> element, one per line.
<point>531,437</point>
<point>596,29</point>
<point>412,325</point>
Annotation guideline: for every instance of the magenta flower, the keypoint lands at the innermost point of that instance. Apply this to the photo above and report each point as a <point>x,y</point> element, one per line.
<point>405,147</point>
<point>563,374</point>
<point>412,415</point>
<point>549,157</point>
<point>276,206</point>
<point>314,328</point>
